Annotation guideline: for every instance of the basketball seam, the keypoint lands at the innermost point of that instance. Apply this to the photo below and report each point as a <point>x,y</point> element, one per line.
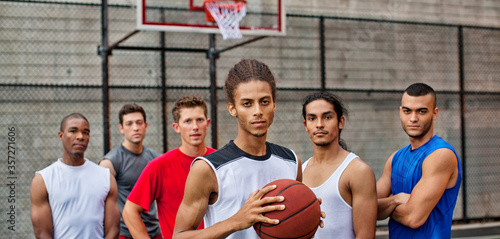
<point>310,204</point>
<point>289,186</point>
<point>284,189</point>
<point>283,237</point>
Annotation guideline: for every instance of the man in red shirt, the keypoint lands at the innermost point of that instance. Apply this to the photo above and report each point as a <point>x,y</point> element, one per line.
<point>164,178</point>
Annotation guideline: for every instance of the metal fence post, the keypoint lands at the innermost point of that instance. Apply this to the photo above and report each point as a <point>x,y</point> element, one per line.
<point>462,120</point>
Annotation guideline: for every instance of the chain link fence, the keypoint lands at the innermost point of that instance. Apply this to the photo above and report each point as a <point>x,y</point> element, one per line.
<point>49,67</point>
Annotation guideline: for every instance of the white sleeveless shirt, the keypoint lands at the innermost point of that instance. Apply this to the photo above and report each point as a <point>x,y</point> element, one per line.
<point>239,174</point>
<point>77,196</point>
<point>338,221</point>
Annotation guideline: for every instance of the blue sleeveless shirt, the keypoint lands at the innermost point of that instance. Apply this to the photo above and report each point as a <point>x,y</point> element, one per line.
<point>406,172</point>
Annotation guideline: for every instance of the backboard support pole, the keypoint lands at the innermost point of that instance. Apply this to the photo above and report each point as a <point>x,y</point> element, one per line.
<point>105,52</point>
<point>212,56</point>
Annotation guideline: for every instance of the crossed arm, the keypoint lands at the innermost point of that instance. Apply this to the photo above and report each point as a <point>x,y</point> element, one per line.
<point>439,172</point>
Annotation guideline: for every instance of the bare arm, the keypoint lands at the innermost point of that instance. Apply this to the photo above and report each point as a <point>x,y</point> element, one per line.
<point>107,164</point>
<point>112,212</point>
<point>41,214</point>
<point>364,199</point>
<point>386,202</point>
<point>132,217</point>
<point>439,172</point>
<point>201,187</point>
<point>299,170</point>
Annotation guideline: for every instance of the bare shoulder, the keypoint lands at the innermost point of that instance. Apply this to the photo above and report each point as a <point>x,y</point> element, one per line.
<point>359,166</point>
<point>37,181</point>
<point>443,161</point>
<point>38,189</point>
<point>202,172</point>
<point>108,164</point>
<point>201,184</point>
<point>388,163</point>
<point>201,167</point>
<point>359,173</point>
<point>440,158</point>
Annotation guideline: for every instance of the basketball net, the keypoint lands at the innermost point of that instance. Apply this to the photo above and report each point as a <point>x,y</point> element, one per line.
<point>228,15</point>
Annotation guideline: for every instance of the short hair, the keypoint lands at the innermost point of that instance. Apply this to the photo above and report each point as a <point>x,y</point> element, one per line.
<point>245,71</point>
<point>187,102</point>
<point>421,89</point>
<point>131,108</point>
<point>71,116</point>
<point>335,101</point>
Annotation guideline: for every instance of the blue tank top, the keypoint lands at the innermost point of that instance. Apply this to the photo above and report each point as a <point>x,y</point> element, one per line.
<point>406,172</point>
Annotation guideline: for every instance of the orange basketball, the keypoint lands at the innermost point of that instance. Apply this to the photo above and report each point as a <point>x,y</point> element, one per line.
<point>299,219</point>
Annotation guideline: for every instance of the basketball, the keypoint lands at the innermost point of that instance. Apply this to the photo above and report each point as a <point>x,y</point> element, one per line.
<point>299,219</point>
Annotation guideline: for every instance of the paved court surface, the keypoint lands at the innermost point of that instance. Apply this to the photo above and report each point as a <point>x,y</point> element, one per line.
<point>467,231</point>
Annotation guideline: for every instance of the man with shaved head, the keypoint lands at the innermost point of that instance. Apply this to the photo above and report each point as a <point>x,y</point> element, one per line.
<point>74,197</point>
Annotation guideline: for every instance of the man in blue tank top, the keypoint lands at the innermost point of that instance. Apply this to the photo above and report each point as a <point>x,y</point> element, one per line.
<point>419,186</point>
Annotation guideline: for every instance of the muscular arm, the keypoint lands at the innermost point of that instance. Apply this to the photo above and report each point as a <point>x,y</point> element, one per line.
<point>439,172</point>
<point>386,202</point>
<point>364,199</point>
<point>112,212</point>
<point>201,186</point>
<point>107,164</point>
<point>41,215</point>
<point>132,217</point>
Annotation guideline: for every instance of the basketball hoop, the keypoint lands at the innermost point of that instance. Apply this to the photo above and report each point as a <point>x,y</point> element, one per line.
<point>227,14</point>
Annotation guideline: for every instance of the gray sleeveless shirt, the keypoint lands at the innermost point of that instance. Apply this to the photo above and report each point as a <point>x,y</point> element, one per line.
<point>128,167</point>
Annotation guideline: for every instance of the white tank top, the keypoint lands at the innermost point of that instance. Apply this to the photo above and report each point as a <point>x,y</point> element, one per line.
<point>239,174</point>
<point>77,196</point>
<point>338,220</point>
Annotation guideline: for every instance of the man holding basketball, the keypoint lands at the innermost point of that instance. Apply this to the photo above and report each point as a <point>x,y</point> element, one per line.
<point>74,197</point>
<point>127,161</point>
<point>163,179</point>
<point>340,178</point>
<point>218,184</point>
<point>420,182</point>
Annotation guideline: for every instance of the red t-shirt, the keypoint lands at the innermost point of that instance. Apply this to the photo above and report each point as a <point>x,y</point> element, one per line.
<point>163,180</point>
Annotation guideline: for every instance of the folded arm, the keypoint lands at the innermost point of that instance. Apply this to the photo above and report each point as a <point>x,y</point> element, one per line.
<point>439,172</point>
<point>386,202</point>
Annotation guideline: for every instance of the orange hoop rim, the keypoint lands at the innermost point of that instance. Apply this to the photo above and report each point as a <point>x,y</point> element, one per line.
<point>208,15</point>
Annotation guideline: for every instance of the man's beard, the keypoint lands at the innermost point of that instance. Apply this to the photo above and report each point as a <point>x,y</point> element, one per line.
<point>425,130</point>
<point>322,144</point>
<point>260,135</point>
